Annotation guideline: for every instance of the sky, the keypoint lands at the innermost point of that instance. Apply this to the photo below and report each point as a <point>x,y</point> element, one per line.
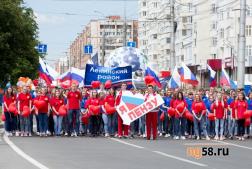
<point>60,21</point>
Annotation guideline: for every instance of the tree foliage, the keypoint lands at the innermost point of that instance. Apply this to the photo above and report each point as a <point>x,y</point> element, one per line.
<point>18,38</point>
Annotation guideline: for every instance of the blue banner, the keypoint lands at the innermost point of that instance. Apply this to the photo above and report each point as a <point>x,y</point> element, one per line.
<point>102,74</point>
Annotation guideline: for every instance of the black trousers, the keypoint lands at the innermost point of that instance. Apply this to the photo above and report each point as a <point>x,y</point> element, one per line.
<point>241,128</point>
<point>94,124</point>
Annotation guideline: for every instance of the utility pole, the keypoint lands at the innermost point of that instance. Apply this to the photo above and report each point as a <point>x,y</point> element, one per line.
<point>172,44</point>
<point>242,45</point>
<point>125,26</point>
<point>103,46</point>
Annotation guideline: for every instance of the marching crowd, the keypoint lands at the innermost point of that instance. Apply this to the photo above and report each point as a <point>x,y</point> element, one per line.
<point>203,114</point>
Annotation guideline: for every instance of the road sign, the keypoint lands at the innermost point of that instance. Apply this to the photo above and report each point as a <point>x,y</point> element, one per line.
<point>131,44</point>
<point>42,48</point>
<point>88,49</point>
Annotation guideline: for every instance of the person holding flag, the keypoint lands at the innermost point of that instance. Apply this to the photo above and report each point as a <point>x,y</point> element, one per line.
<point>123,130</point>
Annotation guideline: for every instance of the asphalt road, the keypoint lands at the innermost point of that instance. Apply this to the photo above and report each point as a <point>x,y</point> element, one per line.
<point>106,153</point>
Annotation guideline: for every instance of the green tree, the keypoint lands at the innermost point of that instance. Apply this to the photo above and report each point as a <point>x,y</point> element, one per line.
<point>18,38</point>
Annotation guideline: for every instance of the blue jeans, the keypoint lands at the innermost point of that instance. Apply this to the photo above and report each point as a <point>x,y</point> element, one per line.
<point>199,126</point>
<point>232,125</point>
<point>43,122</point>
<point>142,122</point>
<point>219,127</point>
<point>57,124</point>
<point>74,115</point>
<point>24,124</point>
<point>109,123</point>
<point>180,126</point>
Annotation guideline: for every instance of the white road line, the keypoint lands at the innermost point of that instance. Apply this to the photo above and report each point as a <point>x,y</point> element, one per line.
<point>24,155</point>
<point>124,142</point>
<point>180,159</point>
<point>232,144</point>
<point>205,144</point>
<point>161,153</point>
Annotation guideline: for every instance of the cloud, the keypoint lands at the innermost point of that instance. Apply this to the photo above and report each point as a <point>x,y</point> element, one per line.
<point>49,19</point>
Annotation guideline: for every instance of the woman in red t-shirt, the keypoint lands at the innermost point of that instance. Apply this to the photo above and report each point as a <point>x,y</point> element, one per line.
<point>9,98</point>
<point>109,118</point>
<point>24,99</point>
<point>198,107</point>
<point>43,113</point>
<point>220,112</point>
<point>92,102</point>
<point>240,107</point>
<point>55,102</point>
<point>180,107</point>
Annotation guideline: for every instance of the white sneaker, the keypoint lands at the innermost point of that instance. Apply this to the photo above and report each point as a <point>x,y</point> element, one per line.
<point>66,134</point>
<point>167,135</point>
<point>208,138</point>
<point>242,138</point>
<point>216,138</point>
<point>144,136</point>
<point>197,138</point>
<point>221,138</point>
<point>182,138</point>
<point>176,137</point>
<point>106,135</point>
<point>160,134</point>
<point>17,134</point>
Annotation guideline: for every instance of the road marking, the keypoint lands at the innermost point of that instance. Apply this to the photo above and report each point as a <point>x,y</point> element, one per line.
<point>161,153</point>
<point>205,144</point>
<point>24,155</point>
<point>232,144</point>
<point>124,142</point>
<point>180,159</point>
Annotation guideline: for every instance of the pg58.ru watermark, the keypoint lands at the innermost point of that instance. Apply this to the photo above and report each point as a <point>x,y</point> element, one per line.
<point>198,152</point>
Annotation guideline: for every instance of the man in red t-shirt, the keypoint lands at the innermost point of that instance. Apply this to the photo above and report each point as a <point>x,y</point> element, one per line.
<point>73,103</point>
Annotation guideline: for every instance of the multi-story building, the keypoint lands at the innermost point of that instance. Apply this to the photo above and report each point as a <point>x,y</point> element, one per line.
<point>154,32</point>
<point>62,65</point>
<point>205,30</point>
<point>105,35</point>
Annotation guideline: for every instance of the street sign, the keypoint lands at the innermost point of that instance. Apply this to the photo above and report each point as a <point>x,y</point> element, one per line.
<point>42,48</point>
<point>131,44</point>
<point>88,49</point>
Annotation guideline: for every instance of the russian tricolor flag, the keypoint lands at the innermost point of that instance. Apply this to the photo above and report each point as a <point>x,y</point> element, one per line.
<point>47,73</point>
<point>212,80</point>
<point>175,81</point>
<point>226,81</point>
<point>149,72</point>
<point>73,75</point>
<point>187,76</point>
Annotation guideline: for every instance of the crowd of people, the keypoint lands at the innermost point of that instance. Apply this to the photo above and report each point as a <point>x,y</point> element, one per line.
<point>213,114</point>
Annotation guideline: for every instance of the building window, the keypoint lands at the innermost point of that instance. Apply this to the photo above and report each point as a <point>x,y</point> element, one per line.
<point>221,15</point>
<point>184,32</point>
<point>167,51</point>
<point>182,58</point>
<point>144,3</point>
<point>154,36</point>
<point>214,41</point>
<point>249,11</point>
<point>248,30</point>
<point>222,33</point>
<point>213,9</point>
<point>155,4</point>
<point>155,57</point>
<point>168,40</point>
<point>184,19</point>
<point>249,51</point>
<point>190,7</point>
<point>144,13</point>
<point>214,25</point>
